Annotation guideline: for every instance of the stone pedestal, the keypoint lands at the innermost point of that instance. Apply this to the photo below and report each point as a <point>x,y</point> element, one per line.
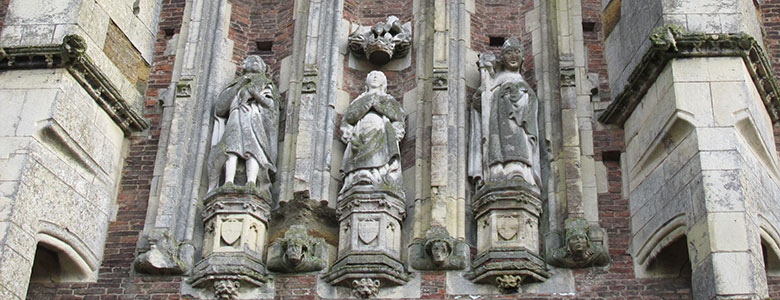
<point>369,240</point>
<point>507,215</point>
<point>235,219</point>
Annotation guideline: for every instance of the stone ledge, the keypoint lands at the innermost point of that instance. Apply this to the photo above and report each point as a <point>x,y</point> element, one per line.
<point>670,42</point>
<point>71,55</point>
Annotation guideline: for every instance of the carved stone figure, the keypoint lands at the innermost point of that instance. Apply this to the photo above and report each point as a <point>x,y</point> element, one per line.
<point>438,251</point>
<point>504,132</point>
<point>509,282</point>
<point>505,169</point>
<point>246,124</point>
<point>372,127</point>
<point>578,251</point>
<point>226,289</point>
<point>371,203</point>
<point>383,41</point>
<point>297,252</point>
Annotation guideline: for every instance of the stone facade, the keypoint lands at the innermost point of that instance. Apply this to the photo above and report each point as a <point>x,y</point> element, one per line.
<point>647,130</point>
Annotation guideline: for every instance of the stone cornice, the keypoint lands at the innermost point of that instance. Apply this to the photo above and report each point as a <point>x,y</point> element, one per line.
<point>71,55</point>
<point>669,42</point>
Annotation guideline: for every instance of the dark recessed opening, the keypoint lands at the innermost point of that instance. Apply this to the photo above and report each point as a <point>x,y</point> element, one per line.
<point>610,156</point>
<point>496,41</point>
<point>265,46</point>
<point>169,32</point>
<point>588,26</point>
<point>672,261</point>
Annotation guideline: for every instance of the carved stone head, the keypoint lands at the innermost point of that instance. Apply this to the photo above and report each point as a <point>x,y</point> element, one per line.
<point>376,80</point>
<point>577,241</point>
<point>365,287</point>
<point>253,64</point>
<point>512,54</point>
<point>439,251</point>
<point>295,251</point>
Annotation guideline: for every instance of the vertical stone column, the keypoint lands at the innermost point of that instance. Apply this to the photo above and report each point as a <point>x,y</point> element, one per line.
<point>447,211</point>
<point>166,245</point>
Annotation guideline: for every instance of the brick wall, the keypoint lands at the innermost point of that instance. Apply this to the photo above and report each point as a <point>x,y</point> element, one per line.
<point>592,31</point>
<point>116,280</point>
<point>503,18</point>
<point>262,21</point>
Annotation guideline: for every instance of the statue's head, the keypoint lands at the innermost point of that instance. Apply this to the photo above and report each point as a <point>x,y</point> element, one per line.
<point>376,80</point>
<point>295,251</point>
<point>254,64</point>
<point>439,250</point>
<point>578,241</point>
<point>512,54</point>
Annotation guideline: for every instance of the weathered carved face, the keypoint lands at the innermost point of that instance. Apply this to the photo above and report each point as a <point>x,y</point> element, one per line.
<point>578,243</point>
<point>512,58</point>
<point>439,252</point>
<point>294,253</point>
<point>253,64</point>
<point>376,80</point>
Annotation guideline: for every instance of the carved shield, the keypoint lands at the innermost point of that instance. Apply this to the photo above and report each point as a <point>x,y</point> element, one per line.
<point>507,227</point>
<point>368,230</point>
<point>231,230</point>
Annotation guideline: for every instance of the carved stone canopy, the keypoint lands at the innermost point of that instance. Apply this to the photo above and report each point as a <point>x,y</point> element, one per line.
<point>383,41</point>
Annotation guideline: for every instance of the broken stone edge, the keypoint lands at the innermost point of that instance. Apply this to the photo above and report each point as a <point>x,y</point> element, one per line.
<point>688,45</point>
<point>72,56</point>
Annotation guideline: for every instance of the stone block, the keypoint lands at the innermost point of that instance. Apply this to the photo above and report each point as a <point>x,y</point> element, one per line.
<point>14,265</point>
<point>694,98</point>
<point>728,98</point>
<point>728,231</point>
<point>723,191</point>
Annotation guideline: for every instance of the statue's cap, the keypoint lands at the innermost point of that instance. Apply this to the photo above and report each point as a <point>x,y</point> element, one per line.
<point>512,43</point>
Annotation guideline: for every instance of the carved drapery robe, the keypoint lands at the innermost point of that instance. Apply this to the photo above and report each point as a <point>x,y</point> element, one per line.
<point>504,131</point>
<point>373,126</point>
<point>246,124</point>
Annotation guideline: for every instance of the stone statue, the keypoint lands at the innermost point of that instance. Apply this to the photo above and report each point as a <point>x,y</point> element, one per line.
<point>504,134</point>
<point>246,124</point>
<point>578,251</point>
<point>504,167</point>
<point>372,127</point>
<point>297,252</point>
<point>383,41</point>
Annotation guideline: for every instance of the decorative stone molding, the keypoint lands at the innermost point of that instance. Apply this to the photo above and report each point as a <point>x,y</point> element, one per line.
<point>438,251</point>
<point>382,42</point>
<point>297,252</point>
<point>71,55</point>
<point>579,250</point>
<point>440,81</point>
<point>365,287</point>
<point>235,219</point>
<point>670,42</point>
